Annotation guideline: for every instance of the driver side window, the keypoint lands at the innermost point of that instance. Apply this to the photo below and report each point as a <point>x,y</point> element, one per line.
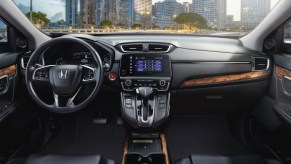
<point>4,46</point>
<point>287,33</point>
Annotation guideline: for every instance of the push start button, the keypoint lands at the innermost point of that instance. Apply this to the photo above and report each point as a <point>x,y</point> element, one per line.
<point>112,76</point>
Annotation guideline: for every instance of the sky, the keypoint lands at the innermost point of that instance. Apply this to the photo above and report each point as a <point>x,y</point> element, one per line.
<point>56,11</point>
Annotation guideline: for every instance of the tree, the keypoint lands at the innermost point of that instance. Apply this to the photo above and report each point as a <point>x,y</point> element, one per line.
<point>120,25</point>
<point>106,23</point>
<point>136,25</point>
<point>191,21</point>
<point>38,18</point>
<point>155,25</point>
<point>61,22</point>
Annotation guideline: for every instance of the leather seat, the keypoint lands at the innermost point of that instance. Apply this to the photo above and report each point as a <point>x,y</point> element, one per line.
<point>216,159</point>
<point>62,159</point>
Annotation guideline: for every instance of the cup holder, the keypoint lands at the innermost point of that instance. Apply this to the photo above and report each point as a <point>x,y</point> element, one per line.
<point>151,159</point>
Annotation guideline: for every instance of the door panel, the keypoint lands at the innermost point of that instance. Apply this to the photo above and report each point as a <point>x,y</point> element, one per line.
<point>282,75</point>
<point>8,70</point>
<point>8,81</point>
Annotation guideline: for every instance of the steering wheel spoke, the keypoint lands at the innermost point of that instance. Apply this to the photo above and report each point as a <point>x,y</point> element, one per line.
<point>41,73</point>
<point>88,73</point>
<point>62,102</point>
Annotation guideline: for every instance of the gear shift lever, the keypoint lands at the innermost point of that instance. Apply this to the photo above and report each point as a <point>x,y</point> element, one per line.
<point>145,92</point>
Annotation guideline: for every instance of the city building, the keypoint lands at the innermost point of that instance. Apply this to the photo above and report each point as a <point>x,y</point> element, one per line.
<point>214,11</point>
<point>126,13</point>
<point>229,19</point>
<point>73,13</point>
<point>113,11</point>
<point>107,10</point>
<point>143,13</point>
<point>88,13</point>
<point>119,12</point>
<point>165,12</point>
<point>253,12</point>
<point>186,6</point>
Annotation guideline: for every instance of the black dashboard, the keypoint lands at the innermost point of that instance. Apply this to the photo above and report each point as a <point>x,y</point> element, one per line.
<point>202,67</point>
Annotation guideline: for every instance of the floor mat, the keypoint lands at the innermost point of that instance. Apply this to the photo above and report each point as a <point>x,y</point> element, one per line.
<point>81,136</point>
<point>200,134</point>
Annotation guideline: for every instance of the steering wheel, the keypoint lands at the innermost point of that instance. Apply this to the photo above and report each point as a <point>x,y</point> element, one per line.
<point>66,81</point>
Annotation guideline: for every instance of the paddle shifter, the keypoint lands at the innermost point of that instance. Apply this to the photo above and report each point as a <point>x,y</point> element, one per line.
<point>145,109</point>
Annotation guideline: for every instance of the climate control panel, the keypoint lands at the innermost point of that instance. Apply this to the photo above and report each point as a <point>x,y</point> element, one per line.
<point>158,84</point>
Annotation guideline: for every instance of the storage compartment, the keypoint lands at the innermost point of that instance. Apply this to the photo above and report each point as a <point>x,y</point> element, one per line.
<point>146,148</point>
<point>218,99</point>
<point>151,159</point>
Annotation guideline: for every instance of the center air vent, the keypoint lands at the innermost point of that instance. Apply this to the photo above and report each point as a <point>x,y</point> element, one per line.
<point>132,47</point>
<point>146,47</point>
<point>260,64</point>
<point>159,47</point>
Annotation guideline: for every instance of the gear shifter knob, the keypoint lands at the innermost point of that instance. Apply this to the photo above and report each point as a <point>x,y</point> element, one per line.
<point>145,92</point>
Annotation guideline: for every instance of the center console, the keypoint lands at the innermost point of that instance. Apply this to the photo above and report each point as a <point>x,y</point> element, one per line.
<point>145,81</point>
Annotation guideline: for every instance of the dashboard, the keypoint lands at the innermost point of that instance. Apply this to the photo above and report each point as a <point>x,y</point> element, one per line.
<point>195,68</point>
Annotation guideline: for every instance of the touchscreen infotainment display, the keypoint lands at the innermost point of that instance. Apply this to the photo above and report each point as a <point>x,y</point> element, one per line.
<point>148,65</point>
<point>145,65</point>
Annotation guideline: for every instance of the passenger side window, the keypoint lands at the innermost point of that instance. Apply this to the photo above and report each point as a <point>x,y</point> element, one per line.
<point>4,45</point>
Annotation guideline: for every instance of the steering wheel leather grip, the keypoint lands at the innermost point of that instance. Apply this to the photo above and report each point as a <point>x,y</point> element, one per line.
<point>66,81</point>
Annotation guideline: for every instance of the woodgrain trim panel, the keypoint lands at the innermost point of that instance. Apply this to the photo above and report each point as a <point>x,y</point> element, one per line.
<point>125,150</point>
<point>282,72</point>
<point>225,78</point>
<point>9,71</point>
<point>164,148</point>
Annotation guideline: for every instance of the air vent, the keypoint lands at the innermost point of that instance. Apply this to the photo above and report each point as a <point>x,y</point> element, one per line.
<point>260,64</point>
<point>132,47</point>
<point>159,47</point>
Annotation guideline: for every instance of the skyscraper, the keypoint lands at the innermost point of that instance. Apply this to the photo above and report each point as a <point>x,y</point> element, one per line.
<point>126,13</point>
<point>101,11</point>
<point>143,12</point>
<point>113,11</point>
<point>80,13</point>
<point>166,11</point>
<point>253,12</point>
<point>186,6</point>
<point>117,11</point>
<point>88,13</point>
<point>73,17</point>
<point>214,11</point>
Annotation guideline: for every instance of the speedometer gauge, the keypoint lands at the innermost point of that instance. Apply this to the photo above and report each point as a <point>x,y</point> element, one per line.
<point>82,55</point>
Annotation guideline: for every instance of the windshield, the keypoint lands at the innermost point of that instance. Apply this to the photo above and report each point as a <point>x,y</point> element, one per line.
<point>197,17</point>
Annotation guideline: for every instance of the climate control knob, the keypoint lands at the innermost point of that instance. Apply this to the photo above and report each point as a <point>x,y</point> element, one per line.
<point>162,83</point>
<point>128,82</point>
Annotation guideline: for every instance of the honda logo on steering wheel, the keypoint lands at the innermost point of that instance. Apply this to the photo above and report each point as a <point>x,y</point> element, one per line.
<point>63,74</point>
